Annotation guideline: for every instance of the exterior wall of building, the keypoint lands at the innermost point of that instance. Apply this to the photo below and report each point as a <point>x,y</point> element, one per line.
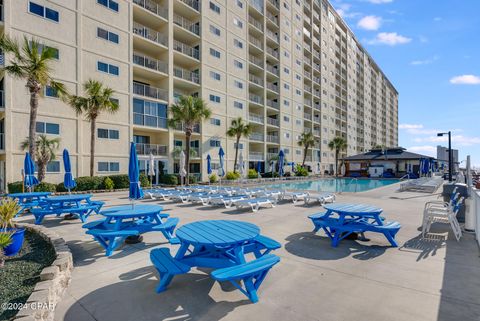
<point>287,67</point>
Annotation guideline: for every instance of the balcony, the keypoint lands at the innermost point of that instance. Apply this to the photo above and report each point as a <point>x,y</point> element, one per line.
<point>150,34</point>
<point>186,75</point>
<point>273,139</point>
<point>307,102</point>
<point>256,61</point>
<point>256,99</point>
<point>307,88</point>
<point>273,121</point>
<point>273,69</point>
<point>255,41</point>
<point>256,156</point>
<point>2,99</point>
<point>151,92</point>
<point>194,4</point>
<point>272,35</point>
<point>153,7</point>
<point>181,127</point>
<point>149,120</point>
<point>186,24</point>
<point>154,149</point>
<point>186,49</point>
<point>273,87</point>
<point>256,118</point>
<point>256,80</point>
<point>257,4</point>
<point>273,104</point>
<point>254,22</point>
<point>307,116</point>
<point>272,18</point>
<point>150,63</point>
<point>273,52</point>
<point>274,3</point>
<point>256,137</point>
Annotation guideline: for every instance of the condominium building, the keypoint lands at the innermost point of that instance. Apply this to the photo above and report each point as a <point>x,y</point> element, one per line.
<point>285,66</point>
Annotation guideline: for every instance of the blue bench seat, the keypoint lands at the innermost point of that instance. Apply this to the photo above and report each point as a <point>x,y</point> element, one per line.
<point>261,243</point>
<point>252,274</point>
<point>167,266</point>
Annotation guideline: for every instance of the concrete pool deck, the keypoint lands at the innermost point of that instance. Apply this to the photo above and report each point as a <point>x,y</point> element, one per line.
<point>435,279</point>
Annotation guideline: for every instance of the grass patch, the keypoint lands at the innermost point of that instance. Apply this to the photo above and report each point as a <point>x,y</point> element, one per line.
<point>22,271</point>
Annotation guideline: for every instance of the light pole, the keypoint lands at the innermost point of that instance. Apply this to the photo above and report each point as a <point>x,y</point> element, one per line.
<point>450,154</point>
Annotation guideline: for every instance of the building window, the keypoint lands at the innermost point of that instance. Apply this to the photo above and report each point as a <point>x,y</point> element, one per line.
<point>52,167</point>
<point>44,12</point>
<point>215,75</point>
<point>107,68</point>
<point>215,121</point>
<point>238,84</point>
<point>238,104</point>
<point>238,43</point>
<point>149,113</point>
<point>286,119</point>
<point>214,143</point>
<point>55,51</point>
<point>108,133</point>
<point>238,23</point>
<point>214,30</point>
<point>108,167</point>
<point>238,64</point>
<point>51,92</point>
<point>107,35</point>
<point>109,4</point>
<point>214,7</point>
<point>240,145</point>
<point>214,98</point>
<point>214,53</point>
<point>48,128</point>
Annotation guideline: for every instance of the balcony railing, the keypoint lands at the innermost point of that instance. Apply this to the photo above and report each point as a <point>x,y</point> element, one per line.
<point>181,127</point>
<point>256,137</point>
<point>256,99</point>
<point>186,74</point>
<point>255,79</point>
<point>272,35</point>
<point>272,18</point>
<point>307,88</point>
<point>2,141</point>
<point>273,139</point>
<point>273,52</point>
<point>307,102</point>
<point>307,116</point>
<point>149,120</point>
<point>186,24</point>
<point>257,118</point>
<point>307,74</point>
<point>150,63</point>
<point>273,104</point>
<point>151,92</point>
<point>256,42</point>
<point>257,24</point>
<point>2,99</point>
<point>195,4</point>
<point>275,3</point>
<point>257,4</point>
<point>273,87</point>
<point>274,70</point>
<point>153,7</point>
<point>150,34</point>
<point>273,121</point>
<point>256,61</point>
<point>186,49</point>
<point>256,156</point>
<point>154,149</point>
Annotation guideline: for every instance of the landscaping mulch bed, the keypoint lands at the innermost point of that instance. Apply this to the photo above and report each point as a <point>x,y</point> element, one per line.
<point>22,271</point>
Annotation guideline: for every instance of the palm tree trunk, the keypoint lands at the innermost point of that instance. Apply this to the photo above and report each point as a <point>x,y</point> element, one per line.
<point>42,168</point>
<point>236,155</point>
<point>32,130</point>
<point>93,126</point>
<point>187,157</point>
<point>336,162</point>
<point>304,156</point>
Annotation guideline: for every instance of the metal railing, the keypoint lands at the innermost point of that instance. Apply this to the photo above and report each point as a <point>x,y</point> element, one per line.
<point>186,49</point>
<point>272,35</point>
<point>154,149</point>
<point>257,118</point>
<point>195,4</point>
<point>181,127</point>
<point>2,99</point>
<point>273,104</point>
<point>256,61</point>
<point>272,18</point>
<point>149,120</point>
<point>150,63</point>
<point>273,139</point>
<point>273,121</point>
<point>273,87</point>
<point>257,4</point>
<point>2,141</point>
<point>186,74</point>
<point>275,3</point>
<point>186,24</point>
<point>256,137</point>
<point>256,99</point>
<point>255,79</point>
<point>476,203</point>
<point>150,34</point>
<point>257,42</point>
<point>272,156</point>
<point>273,52</point>
<point>307,102</point>
<point>153,7</point>
<point>273,69</point>
<point>307,116</point>
<point>151,92</point>
<point>256,156</point>
<point>257,24</point>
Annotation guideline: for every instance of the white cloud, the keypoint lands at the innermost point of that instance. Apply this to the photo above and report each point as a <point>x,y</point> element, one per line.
<point>465,80</point>
<point>425,61</point>
<point>344,10</point>
<point>459,140</point>
<point>437,19</point>
<point>427,150</point>
<point>370,23</point>
<point>410,126</point>
<point>379,1</point>
<point>390,38</point>
<point>417,129</point>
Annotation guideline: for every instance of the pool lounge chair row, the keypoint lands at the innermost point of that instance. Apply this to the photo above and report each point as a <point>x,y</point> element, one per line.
<point>423,184</point>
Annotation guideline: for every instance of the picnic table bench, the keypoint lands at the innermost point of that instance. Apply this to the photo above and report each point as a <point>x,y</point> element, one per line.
<point>221,245</point>
<point>80,205</point>
<point>123,221</point>
<point>27,201</point>
<point>341,220</point>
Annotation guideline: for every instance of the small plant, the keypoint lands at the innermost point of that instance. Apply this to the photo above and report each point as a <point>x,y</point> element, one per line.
<point>213,178</point>
<point>300,170</point>
<point>108,183</point>
<point>252,174</point>
<point>169,179</point>
<point>232,176</point>
<point>5,240</point>
<point>8,210</point>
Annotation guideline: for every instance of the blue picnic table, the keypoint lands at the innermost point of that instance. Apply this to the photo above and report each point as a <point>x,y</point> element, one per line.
<point>221,245</point>
<point>121,222</point>
<point>342,219</point>
<point>80,205</point>
<point>27,201</point>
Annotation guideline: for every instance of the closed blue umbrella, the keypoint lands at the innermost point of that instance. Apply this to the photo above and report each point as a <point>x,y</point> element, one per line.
<point>68,180</point>
<point>259,168</point>
<point>281,159</point>
<point>221,155</point>
<point>135,190</point>
<point>29,170</point>
<point>209,164</point>
<point>293,166</point>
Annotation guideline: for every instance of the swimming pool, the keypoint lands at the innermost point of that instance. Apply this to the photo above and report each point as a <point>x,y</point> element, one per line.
<point>336,185</point>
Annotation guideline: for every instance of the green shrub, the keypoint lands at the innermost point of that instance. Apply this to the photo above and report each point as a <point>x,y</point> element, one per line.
<point>192,179</point>
<point>300,171</point>
<point>15,187</point>
<point>120,181</point>
<point>61,188</point>
<point>45,187</point>
<point>270,175</point>
<point>213,178</point>
<point>108,183</point>
<point>169,179</point>
<point>144,181</point>
<point>252,174</point>
<point>232,176</point>
<point>87,183</point>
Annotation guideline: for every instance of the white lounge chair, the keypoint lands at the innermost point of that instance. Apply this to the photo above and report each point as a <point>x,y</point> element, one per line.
<point>322,198</point>
<point>164,195</point>
<point>295,196</point>
<point>205,199</point>
<point>443,214</point>
<point>256,203</point>
<point>226,201</point>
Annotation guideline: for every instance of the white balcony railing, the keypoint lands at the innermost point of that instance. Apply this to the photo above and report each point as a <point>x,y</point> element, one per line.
<point>256,156</point>
<point>256,99</point>
<point>273,104</point>
<point>256,137</point>
<point>273,121</point>
<point>256,61</point>
<point>186,49</point>
<point>153,7</point>
<point>273,139</point>
<point>257,24</point>
<point>256,118</point>
<point>150,34</point>
<point>186,24</point>
<point>255,79</point>
<point>150,63</point>
<point>186,75</point>
<point>154,149</point>
<point>151,92</point>
<point>194,4</point>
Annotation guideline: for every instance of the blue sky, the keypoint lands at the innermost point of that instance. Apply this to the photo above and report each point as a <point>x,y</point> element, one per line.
<point>429,50</point>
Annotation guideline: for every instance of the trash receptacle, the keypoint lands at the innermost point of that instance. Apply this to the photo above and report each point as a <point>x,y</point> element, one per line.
<point>463,190</point>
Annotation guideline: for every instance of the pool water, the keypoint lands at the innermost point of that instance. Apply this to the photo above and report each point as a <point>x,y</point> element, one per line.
<point>336,185</point>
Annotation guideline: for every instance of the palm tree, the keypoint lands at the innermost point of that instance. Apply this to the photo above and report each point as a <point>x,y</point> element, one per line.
<point>337,144</point>
<point>238,129</point>
<point>31,61</point>
<point>188,111</point>
<point>45,149</point>
<point>306,140</point>
<point>99,99</point>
